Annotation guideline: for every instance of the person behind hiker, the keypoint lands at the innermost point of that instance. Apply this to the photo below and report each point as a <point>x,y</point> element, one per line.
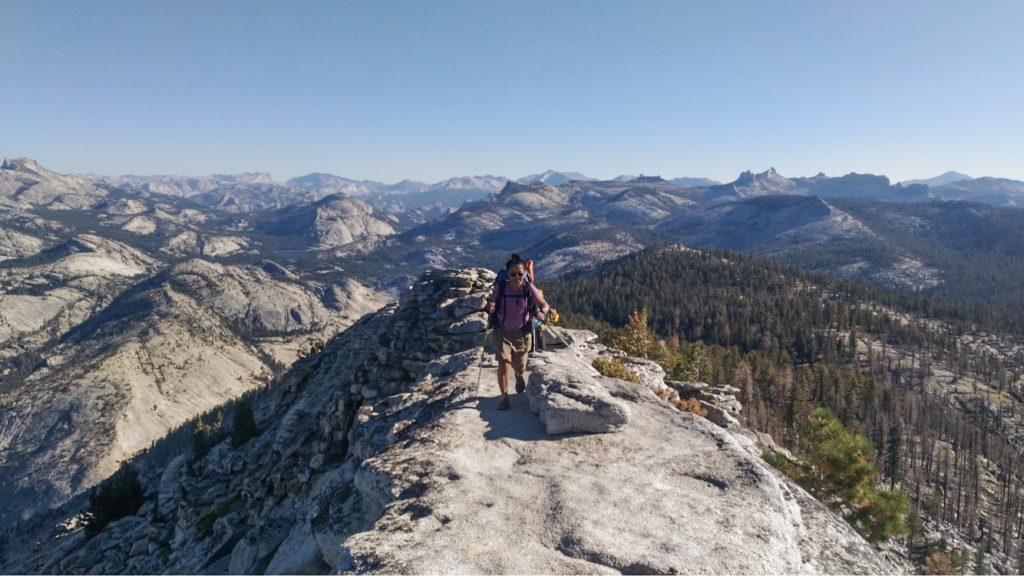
<point>511,336</point>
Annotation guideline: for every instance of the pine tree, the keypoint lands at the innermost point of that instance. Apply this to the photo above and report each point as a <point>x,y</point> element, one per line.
<point>206,436</point>
<point>842,461</point>
<point>891,469</point>
<point>691,364</point>
<point>636,338</point>
<point>884,515</point>
<point>980,565</point>
<point>116,497</point>
<point>243,425</point>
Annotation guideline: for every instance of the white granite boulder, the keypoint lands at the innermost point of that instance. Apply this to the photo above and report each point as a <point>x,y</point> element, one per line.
<point>570,401</point>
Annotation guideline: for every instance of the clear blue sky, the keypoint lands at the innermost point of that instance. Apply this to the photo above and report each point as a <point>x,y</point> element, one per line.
<point>426,89</point>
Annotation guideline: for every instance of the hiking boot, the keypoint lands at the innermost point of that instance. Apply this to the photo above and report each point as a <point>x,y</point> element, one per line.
<point>520,384</point>
<point>504,404</point>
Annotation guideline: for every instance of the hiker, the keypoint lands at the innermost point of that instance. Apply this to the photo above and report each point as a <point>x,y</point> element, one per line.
<point>509,305</point>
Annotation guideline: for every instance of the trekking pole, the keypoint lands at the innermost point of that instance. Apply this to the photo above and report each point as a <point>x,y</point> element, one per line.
<point>483,349</point>
<point>533,334</point>
<point>560,339</point>
<point>555,334</point>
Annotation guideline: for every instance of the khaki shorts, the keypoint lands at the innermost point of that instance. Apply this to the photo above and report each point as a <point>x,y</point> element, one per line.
<point>512,346</point>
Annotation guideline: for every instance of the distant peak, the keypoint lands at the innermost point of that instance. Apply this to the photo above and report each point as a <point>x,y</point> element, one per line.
<point>554,177</point>
<point>745,177</point>
<point>945,178</point>
<point>336,198</point>
<point>511,188</point>
<point>748,177</point>
<point>771,173</point>
<point>23,165</point>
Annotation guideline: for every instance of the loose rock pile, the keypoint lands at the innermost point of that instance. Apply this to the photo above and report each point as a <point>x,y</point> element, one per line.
<point>719,401</point>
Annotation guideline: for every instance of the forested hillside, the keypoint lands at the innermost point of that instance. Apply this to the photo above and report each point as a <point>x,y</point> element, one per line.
<point>939,398</point>
<point>977,248</point>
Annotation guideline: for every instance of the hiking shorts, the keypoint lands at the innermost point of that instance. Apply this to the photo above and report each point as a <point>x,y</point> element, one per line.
<point>511,346</point>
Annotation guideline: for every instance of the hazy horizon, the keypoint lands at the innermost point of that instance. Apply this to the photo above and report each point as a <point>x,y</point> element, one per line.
<point>429,91</point>
<point>282,180</point>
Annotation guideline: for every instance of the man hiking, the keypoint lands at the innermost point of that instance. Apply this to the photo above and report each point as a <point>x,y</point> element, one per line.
<point>510,305</point>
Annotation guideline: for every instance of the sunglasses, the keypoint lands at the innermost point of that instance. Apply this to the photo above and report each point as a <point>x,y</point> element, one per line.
<point>515,274</point>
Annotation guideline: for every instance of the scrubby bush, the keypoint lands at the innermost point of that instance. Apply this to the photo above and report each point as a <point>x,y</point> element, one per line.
<point>615,369</point>
<point>792,469</point>
<point>207,435</point>
<point>939,562</point>
<point>313,346</point>
<point>691,405</point>
<point>636,338</point>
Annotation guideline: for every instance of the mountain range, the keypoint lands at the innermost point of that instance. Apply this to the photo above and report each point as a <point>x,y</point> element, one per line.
<point>131,306</point>
<point>118,324</point>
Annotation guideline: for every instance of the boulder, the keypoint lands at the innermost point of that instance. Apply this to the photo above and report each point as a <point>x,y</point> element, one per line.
<point>570,401</point>
<point>719,401</point>
<point>169,488</point>
<point>719,415</point>
<point>140,546</point>
<point>298,554</point>
<point>470,304</point>
<point>651,374</point>
<point>687,389</point>
<point>472,324</point>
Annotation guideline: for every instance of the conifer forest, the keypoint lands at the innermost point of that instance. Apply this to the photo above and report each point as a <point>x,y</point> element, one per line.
<point>931,383</point>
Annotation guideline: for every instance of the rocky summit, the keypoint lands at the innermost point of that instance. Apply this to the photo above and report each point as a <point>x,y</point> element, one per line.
<point>385,452</point>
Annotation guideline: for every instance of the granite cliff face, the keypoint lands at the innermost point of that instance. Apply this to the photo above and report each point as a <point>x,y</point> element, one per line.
<point>26,184</point>
<point>330,223</point>
<point>385,452</point>
<point>172,346</point>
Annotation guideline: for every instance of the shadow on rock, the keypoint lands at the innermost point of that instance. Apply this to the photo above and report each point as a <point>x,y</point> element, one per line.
<point>516,423</point>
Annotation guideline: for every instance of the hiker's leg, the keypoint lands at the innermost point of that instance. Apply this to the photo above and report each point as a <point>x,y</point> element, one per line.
<point>520,356</point>
<point>503,377</point>
<point>503,353</point>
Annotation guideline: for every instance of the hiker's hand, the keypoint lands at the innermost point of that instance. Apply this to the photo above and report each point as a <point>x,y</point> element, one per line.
<point>540,314</point>
<point>489,308</point>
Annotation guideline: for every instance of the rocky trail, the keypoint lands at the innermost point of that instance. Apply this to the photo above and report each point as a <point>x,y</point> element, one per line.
<point>489,491</point>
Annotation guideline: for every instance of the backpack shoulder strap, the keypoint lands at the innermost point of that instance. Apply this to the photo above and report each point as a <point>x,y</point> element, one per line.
<point>501,295</point>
